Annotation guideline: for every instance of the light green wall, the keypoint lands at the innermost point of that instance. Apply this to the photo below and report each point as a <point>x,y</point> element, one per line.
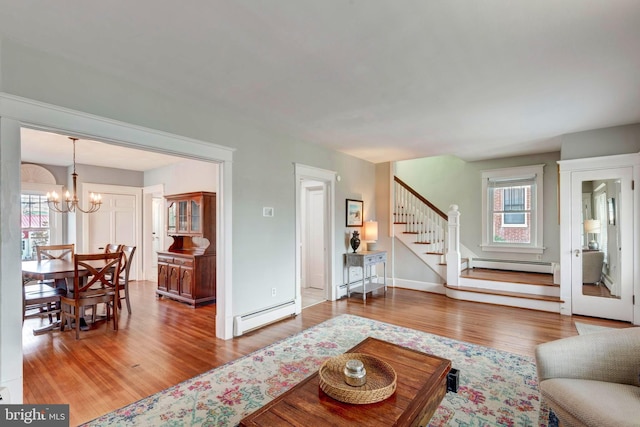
<point>263,171</point>
<point>447,180</point>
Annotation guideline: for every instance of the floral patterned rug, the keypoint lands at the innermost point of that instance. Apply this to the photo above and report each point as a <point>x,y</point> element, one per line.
<point>496,388</point>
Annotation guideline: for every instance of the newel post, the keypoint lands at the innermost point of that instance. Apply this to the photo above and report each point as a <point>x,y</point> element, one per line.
<point>453,254</point>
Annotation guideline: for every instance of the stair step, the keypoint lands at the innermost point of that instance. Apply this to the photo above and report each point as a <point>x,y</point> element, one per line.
<point>506,293</point>
<point>541,279</point>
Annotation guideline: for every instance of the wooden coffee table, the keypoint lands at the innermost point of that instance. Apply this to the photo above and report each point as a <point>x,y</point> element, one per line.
<point>421,386</point>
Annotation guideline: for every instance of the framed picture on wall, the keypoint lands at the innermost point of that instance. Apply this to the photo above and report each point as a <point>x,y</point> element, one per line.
<point>354,213</point>
<point>611,207</point>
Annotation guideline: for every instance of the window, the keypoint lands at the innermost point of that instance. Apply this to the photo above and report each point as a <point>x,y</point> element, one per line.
<point>40,226</point>
<point>512,209</point>
<point>515,209</point>
<point>35,224</point>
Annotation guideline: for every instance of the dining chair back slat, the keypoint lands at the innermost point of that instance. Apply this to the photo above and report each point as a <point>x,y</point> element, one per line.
<point>127,260</point>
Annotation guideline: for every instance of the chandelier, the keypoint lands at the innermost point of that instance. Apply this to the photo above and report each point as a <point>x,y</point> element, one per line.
<point>71,203</point>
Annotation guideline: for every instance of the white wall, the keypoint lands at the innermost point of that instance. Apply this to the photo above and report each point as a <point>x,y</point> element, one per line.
<point>184,177</point>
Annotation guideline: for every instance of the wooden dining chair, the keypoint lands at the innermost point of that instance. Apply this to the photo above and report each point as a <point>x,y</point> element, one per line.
<point>44,252</point>
<point>123,284</point>
<point>40,300</point>
<point>112,247</point>
<point>99,286</point>
<point>55,252</point>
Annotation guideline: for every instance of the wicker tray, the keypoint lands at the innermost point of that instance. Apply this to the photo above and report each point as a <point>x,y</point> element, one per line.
<point>381,379</point>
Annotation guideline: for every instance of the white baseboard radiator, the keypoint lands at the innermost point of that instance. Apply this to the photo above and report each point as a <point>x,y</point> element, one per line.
<point>501,264</point>
<point>257,319</point>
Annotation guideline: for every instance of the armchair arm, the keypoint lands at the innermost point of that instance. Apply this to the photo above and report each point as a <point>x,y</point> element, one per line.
<point>610,356</point>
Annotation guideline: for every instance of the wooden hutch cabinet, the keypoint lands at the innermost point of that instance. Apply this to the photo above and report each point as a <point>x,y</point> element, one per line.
<point>187,270</point>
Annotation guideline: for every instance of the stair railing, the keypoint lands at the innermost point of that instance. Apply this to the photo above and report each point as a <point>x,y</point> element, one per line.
<point>421,217</point>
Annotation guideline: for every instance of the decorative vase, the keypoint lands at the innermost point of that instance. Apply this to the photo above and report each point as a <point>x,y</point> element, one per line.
<point>355,241</point>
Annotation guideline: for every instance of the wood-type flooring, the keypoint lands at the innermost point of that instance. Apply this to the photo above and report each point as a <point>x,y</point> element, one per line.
<point>165,342</point>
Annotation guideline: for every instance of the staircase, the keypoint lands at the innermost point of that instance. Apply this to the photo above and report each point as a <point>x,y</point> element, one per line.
<point>434,237</point>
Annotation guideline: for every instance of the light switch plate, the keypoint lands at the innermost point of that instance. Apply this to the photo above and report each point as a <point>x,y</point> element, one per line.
<point>268,212</point>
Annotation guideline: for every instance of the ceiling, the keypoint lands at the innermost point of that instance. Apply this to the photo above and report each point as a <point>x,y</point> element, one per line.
<point>56,149</point>
<point>377,79</point>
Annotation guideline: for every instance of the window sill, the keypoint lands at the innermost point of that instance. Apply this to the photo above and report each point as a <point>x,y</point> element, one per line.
<point>518,249</point>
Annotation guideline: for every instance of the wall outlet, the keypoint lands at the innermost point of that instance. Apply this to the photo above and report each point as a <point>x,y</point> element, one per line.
<point>273,292</point>
<point>4,396</point>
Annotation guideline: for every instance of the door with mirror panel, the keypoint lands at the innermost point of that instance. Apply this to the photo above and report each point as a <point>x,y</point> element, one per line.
<point>602,243</point>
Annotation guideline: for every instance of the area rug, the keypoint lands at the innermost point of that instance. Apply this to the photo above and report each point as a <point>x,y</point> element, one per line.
<point>585,328</point>
<point>496,388</point>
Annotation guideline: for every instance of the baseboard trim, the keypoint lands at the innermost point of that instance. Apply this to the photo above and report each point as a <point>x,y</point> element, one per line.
<point>436,288</point>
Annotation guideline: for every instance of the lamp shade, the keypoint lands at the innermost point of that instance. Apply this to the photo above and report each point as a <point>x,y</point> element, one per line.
<point>592,226</point>
<point>370,231</point>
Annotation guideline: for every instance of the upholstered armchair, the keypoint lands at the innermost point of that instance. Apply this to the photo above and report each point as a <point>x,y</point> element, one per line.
<point>592,262</point>
<point>593,379</point>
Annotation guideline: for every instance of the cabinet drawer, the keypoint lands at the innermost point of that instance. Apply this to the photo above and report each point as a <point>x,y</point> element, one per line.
<point>374,259</point>
<point>165,259</point>
<point>187,262</point>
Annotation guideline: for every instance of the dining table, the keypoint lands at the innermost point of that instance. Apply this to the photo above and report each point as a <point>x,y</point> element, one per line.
<point>61,271</point>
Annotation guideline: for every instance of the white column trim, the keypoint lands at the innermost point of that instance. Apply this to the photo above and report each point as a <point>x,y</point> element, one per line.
<point>11,375</point>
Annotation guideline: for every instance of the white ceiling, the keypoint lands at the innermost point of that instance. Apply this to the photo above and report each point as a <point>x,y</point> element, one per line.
<point>377,79</point>
<point>56,149</point>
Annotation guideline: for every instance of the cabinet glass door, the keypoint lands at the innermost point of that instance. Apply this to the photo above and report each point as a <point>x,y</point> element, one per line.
<point>195,216</point>
<point>183,219</point>
<point>171,218</point>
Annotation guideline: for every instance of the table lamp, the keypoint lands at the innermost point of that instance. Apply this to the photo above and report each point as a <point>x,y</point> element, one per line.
<point>592,226</point>
<point>370,234</point>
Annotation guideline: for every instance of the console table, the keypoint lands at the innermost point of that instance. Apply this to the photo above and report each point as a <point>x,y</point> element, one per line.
<point>365,260</point>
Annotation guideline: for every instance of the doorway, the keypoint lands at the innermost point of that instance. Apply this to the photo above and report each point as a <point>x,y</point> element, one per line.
<point>315,234</point>
<point>314,271</point>
<point>153,229</point>
<point>602,243</point>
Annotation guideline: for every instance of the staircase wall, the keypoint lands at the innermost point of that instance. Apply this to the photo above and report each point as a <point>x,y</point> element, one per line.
<point>413,273</point>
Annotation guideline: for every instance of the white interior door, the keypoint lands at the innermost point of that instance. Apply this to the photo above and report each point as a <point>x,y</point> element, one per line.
<point>118,221</point>
<point>611,206</point>
<point>314,247</point>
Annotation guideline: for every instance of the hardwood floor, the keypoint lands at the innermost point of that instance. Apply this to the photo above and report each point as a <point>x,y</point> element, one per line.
<point>164,342</point>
